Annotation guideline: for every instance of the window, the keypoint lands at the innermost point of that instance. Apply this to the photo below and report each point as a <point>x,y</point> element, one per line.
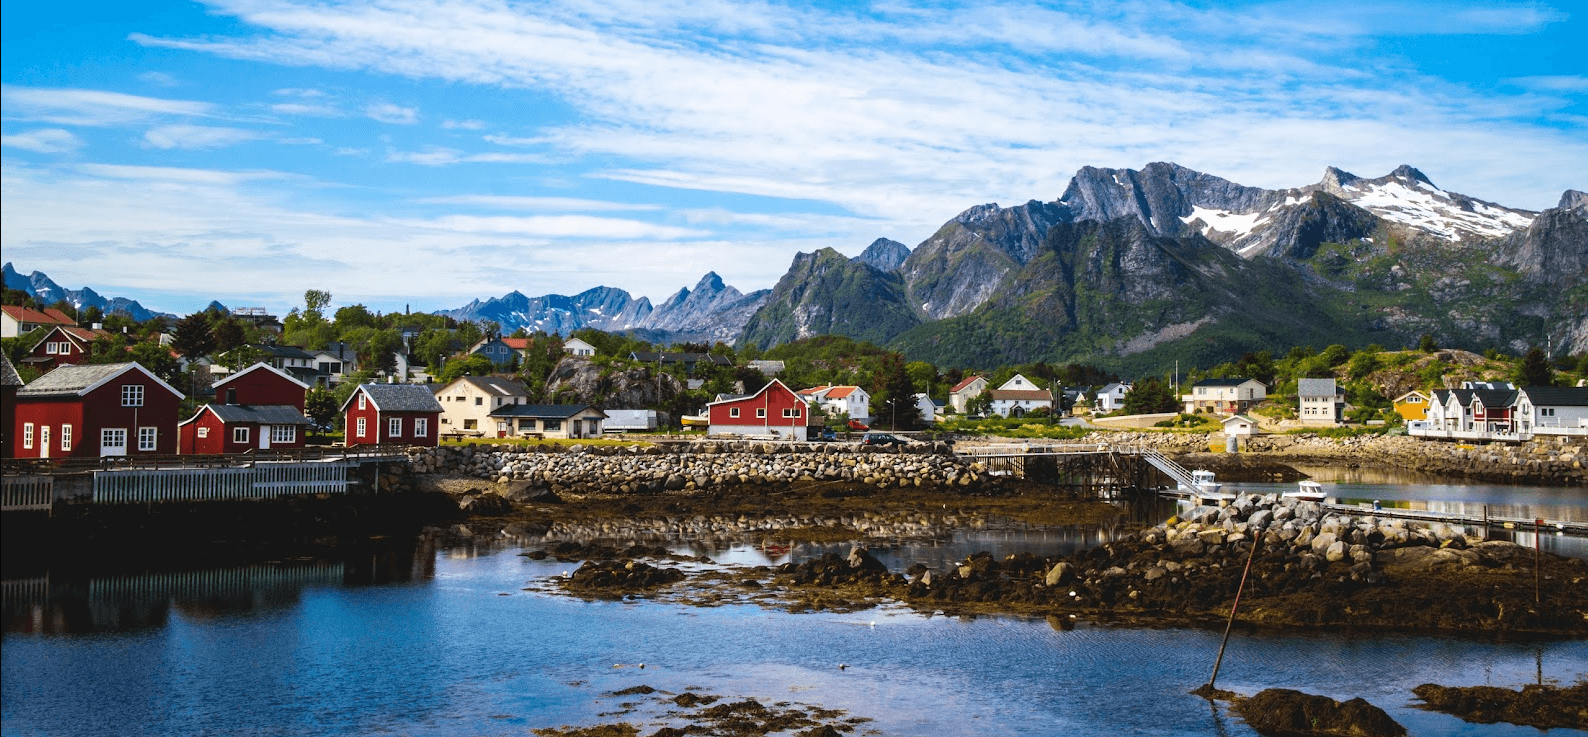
<point>526,425</point>
<point>27,435</point>
<point>361,431</point>
<point>471,424</point>
<point>283,433</point>
<point>551,425</point>
<point>733,411</point>
<point>203,432</point>
<point>148,438</point>
<point>760,413</point>
<point>112,440</point>
<point>51,349</point>
<point>421,427</point>
<point>240,435</point>
<point>361,405</point>
<point>132,395</point>
<point>394,427</point>
<point>1546,411</point>
<point>66,438</point>
<point>479,401</point>
<point>791,412</point>
<point>498,401</point>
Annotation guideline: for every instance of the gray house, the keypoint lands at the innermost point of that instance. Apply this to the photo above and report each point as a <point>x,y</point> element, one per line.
<point>1321,401</point>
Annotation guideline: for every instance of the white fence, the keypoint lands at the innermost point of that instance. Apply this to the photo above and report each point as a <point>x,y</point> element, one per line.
<point>27,493</point>
<point>264,481</point>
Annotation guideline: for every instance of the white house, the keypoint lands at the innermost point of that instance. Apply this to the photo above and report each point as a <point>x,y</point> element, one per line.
<point>930,410</point>
<point>1018,396</point>
<point>562,421</point>
<point>1239,425</point>
<point>1224,396</point>
<point>1544,408</point>
<point>577,347</point>
<point>967,389</point>
<point>1321,402</point>
<point>1111,397</point>
<point>852,400</point>
<point>467,404</point>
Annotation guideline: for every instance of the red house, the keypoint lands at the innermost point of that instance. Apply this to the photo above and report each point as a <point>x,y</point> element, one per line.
<point>775,410</point>
<point>10,382</point>
<point>113,409</point>
<point>63,345</point>
<point>260,407</point>
<point>392,413</point>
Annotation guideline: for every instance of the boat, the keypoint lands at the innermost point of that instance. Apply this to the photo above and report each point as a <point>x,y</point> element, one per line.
<point>1205,488</point>
<point>696,420</point>
<point>1306,491</point>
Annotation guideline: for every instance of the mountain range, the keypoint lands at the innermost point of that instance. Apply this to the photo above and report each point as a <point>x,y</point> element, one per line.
<point>46,292</point>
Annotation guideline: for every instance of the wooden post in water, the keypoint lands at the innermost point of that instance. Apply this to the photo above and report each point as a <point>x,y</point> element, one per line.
<point>1538,559</point>
<point>1208,690</point>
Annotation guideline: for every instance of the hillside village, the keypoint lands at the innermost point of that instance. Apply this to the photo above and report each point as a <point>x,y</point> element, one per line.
<point>228,381</point>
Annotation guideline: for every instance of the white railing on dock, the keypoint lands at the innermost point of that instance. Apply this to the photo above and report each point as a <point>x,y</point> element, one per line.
<point>213,584</point>
<point>264,481</point>
<point>27,493</point>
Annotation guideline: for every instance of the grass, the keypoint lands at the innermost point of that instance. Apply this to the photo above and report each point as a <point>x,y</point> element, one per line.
<point>1340,432</point>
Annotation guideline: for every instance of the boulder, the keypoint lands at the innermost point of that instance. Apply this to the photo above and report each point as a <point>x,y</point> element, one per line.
<point>1284,711</point>
<point>1058,574</point>
<point>1336,551</point>
<point>861,559</point>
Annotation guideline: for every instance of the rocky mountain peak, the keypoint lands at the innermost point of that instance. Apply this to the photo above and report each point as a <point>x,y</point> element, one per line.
<point>1572,199</point>
<point>1335,180</point>
<point>1409,173</point>
<point>884,254</point>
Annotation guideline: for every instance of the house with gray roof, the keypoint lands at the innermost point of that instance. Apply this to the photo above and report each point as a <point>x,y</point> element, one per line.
<point>468,401</point>
<point>562,421</point>
<point>1553,410</point>
<point>96,410</point>
<point>405,414</point>
<point>1321,402</point>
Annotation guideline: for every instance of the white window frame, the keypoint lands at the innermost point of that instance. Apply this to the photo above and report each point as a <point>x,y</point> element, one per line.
<point>760,413</point>
<point>733,411</point>
<point>66,438</point>
<point>362,430</point>
<point>791,412</point>
<point>109,432</point>
<point>50,348</point>
<point>148,439</point>
<point>240,435</point>
<point>132,395</point>
<point>203,432</point>
<point>361,406</point>
<point>394,427</point>
<point>283,434</point>
<point>27,435</point>
<point>421,427</point>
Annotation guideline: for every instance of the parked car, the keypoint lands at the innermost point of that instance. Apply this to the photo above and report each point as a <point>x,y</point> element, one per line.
<point>824,436</point>
<point>882,438</point>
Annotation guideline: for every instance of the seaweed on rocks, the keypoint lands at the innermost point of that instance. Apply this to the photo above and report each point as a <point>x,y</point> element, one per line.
<point>1282,711</point>
<point>1540,706</point>
<point>618,577</point>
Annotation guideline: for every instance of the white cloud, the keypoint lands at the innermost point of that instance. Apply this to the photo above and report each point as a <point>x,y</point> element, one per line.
<point>468,125</point>
<point>175,174</point>
<point>191,137</point>
<point>555,226</point>
<point>1554,83</point>
<point>442,156</point>
<point>350,151</point>
<point>386,112</point>
<point>158,78</point>
<point>307,109</point>
<point>44,141</point>
<point>92,107</point>
<point>509,202</point>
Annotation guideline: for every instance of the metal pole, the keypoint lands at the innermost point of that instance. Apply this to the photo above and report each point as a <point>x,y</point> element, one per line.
<point>1256,540</point>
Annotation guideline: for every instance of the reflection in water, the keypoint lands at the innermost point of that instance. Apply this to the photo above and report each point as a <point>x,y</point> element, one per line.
<point>67,604</point>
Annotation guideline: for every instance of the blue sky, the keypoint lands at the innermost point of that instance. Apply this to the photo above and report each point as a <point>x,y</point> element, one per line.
<point>427,153</point>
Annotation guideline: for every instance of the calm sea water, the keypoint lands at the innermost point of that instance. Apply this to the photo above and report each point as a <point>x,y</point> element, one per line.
<point>432,641</point>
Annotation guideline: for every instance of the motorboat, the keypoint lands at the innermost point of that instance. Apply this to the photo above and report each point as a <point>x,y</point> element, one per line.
<point>1206,488</point>
<point>1306,491</point>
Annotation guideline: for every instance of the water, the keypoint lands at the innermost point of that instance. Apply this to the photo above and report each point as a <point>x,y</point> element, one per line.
<point>425,641</point>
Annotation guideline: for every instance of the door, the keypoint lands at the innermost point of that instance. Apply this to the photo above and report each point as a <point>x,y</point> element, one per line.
<point>44,440</point>
<point>264,437</point>
<point>113,441</point>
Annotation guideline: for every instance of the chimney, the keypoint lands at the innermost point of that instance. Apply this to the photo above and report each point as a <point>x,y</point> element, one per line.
<point>391,379</point>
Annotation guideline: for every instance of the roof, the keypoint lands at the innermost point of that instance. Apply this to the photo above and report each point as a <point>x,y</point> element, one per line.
<point>284,351</point>
<point>257,366</point>
<point>81,335</point>
<point>1557,396</point>
<point>397,397</point>
<point>1109,388</point>
<point>8,373</point>
<point>1019,394</point>
<point>552,411</point>
<point>1402,399</point>
<point>1238,417</point>
<point>261,414</point>
<point>47,316</point>
<point>967,381</point>
<point>517,344</point>
<point>839,392</point>
<point>492,385</point>
<point>78,380</point>
<point>764,389</point>
<point>814,390</point>
<point>1495,397</point>
<point>1225,382</point>
<point>1316,388</point>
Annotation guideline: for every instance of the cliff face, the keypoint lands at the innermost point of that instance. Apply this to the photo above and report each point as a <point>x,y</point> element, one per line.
<point>1554,247</point>
<point>965,261</point>
<point>712,312</point>
<point>576,380</point>
<point>824,292</point>
<point>884,254</point>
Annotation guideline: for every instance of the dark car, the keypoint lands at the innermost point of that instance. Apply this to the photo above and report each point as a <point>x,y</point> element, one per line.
<point>825,436</point>
<point>882,438</point>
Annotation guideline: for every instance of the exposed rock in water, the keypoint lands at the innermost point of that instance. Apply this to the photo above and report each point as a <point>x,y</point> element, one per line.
<point>1282,711</point>
<point>1544,707</point>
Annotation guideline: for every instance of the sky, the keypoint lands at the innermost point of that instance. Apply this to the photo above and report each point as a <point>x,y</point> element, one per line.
<point>418,155</point>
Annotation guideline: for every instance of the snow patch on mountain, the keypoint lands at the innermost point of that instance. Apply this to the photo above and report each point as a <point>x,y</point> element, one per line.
<point>1428,208</point>
<point>1224,221</point>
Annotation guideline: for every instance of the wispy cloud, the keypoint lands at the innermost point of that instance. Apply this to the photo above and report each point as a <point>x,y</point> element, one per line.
<point>44,141</point>
<point>175,174</point>
<point>92,107</point>
<point>442,156</point>
<point>468,125</point>
<point>386,112</point>
<point>193,137</point>
<point>509,202</point>
<point>158,78</point>
<point>556,226</point>
<point>1554,83</point>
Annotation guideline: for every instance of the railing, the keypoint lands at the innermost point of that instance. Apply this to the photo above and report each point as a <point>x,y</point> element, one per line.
<point>218,484</point>
<point>1508,437</point>
<point>25,466</point>
<point>27,493</point>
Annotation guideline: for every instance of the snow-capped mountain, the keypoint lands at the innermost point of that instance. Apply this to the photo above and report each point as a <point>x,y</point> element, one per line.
<point>46,292</point>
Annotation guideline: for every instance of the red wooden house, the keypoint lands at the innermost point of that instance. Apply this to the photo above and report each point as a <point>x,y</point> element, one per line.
<point>63,345</point>
<point>10,383</point>
<point>113,409</point>
<point>260,407</point>
<point>392,413</point>
<point>775,410</point>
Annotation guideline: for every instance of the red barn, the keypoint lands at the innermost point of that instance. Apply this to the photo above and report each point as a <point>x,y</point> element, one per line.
<point>113,409</point>
<point>260,407</point>
<point>392,413</point>
<point>775,410</point>
<point>63,345</point>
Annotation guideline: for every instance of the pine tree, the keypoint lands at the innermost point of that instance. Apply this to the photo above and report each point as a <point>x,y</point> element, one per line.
<point>893,394</point>
<point>1535,370</point>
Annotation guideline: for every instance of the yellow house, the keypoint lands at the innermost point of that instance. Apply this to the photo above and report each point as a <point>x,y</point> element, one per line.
<point>1412,405</point>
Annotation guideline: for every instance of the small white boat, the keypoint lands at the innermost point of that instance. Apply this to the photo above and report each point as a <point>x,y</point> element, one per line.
<point>1307,491</point>
<point>1205,488</point>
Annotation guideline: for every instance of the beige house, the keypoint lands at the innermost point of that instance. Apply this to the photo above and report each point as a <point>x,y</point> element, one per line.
<point>969,388</point>
<point>467,404</point>
<point>1240,426</point>
<point>1224,396</point>
<point>1321,402</point>
<point>556,421</point>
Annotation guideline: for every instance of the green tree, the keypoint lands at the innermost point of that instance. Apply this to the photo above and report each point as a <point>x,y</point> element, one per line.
<point>240,357</point>
<point>321,406</point>
<point>1336,354</point>
<point>91,315</point>
<point>1535,370</point>
<point>1150,396</point>
<point>1427,344</point>
<point>893,394</point>
<point>193,337</point>
<point>229,333</point>
<point>923,375</point>
<point>1259,365</point>
<point>158,359</point>
<point>314,303</point>
<point>466,366</point>
<point>1365,362</point>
